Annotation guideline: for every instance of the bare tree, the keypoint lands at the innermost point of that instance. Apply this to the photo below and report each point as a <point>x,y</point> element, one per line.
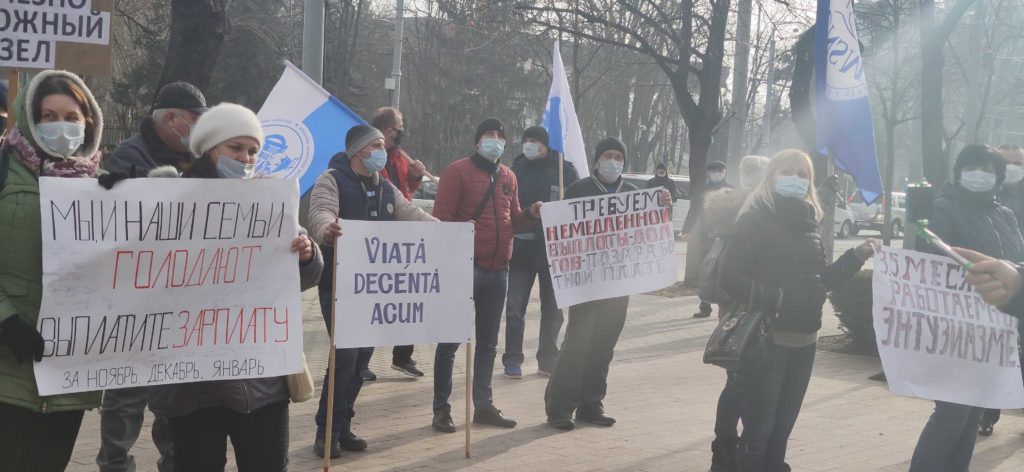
<point>198,30</point>
<point>935,138</point>
<point>686,40</point>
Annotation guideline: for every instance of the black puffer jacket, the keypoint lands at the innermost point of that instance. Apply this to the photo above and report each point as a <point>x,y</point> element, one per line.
<point>976,221</point>
<point>782,251</point>
<point>538,182</point>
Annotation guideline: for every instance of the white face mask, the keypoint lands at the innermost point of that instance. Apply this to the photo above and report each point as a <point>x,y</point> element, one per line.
<point>1014,173</point>
<point>716,177</point>
<point>62,137</point>
<point>228,168</point>
<point>532,151</point>
<point>609,169</point>
<point>978,181</point>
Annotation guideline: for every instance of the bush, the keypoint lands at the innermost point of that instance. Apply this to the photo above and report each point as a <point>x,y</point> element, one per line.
<point>852,304</point>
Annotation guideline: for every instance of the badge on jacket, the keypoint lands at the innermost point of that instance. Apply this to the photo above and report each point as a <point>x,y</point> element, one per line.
<point>391,208</point>
<point>506,188</point>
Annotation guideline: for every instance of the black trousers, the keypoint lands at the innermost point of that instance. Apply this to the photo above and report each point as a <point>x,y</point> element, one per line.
<point>260,439</point>
<point>580,380</point>
<point>36,442</point>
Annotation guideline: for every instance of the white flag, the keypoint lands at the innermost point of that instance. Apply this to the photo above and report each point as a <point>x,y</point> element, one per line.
<point>560,119</point>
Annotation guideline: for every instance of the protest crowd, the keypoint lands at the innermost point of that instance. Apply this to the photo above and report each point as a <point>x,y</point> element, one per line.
<point>759,239</point>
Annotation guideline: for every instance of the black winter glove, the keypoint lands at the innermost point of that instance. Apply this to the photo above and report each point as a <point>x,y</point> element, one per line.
<point>22,338</point>
<point>108,180</point>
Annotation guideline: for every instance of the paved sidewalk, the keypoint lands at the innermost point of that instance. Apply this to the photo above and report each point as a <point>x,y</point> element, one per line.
<point>661,393</point>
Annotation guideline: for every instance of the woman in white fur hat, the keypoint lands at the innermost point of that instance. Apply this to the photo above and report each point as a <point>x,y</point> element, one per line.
<point>253,413</point>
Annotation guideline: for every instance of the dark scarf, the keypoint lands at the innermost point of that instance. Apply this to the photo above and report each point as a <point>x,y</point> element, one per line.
<point>795,214</point>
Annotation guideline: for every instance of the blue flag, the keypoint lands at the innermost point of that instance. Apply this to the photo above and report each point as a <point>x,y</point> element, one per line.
<point>842,110</point>
<point>304,127</point>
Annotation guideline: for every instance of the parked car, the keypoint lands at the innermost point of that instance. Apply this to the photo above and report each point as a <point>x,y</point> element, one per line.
<point>873,216</point>
<point>844,220</point>
<point>679,208</point>
<point>424,196</point>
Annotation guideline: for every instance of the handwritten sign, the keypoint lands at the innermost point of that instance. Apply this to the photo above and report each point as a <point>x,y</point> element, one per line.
<point>401,282</point>
<point>57,34</point>
<point>608,246</point>
<point>937,338</point>
<point>162,281</point>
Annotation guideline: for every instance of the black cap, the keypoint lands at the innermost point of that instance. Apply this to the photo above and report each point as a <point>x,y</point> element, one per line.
<point>538,133</point>
<point>182,95</point>
<point>608,144</point>
<point>489,124</point>
<point>661,166</point>
<point>716,165</point>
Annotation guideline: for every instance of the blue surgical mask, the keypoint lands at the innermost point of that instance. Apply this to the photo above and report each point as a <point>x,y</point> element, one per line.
<point>978,181</point>
<point>491,148</point>
<point>62,137</point>
<point>532,151</point>
<point>791,186</point>
<point>228,168</point>
<point>186,139</point>
<point>376,161</point>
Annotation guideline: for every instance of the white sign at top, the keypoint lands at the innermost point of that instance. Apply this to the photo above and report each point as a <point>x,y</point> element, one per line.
<point>63,34</point>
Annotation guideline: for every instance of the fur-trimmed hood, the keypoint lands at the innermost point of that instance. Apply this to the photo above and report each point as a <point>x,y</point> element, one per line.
<point>26,120</point>
<point>721,207</point>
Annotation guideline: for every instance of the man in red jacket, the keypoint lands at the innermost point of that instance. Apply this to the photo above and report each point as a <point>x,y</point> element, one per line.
<point>406,175</point>
<point>482,190</point>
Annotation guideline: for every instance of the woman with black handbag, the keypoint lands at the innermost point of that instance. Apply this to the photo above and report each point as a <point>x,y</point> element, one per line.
<point>776,252</point>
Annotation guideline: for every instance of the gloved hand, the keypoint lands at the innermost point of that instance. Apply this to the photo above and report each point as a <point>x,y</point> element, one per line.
<point>108,180</point>
<point>22,338</point>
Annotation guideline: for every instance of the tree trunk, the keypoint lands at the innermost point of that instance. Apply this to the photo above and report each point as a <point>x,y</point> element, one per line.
<point>735,147</point>
<point>700,144</point>
<point>198,30</point>
<point>933,153</point>
<point>934,35</point>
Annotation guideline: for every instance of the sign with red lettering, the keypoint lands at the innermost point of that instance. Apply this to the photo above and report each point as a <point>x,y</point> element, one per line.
<point>608,246</point>
<point>162,281</point>
<point>71,35</point>
<point>403,282</point>
<point>937,338</point>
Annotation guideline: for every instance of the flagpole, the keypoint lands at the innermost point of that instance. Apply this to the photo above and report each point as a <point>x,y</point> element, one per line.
<point>561,178</point>
<point>331,361</point>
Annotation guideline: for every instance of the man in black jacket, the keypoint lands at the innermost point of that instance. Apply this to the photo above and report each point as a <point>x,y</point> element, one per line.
<point>661,179</point>
<point>536,170</point>
<point>163,139</point>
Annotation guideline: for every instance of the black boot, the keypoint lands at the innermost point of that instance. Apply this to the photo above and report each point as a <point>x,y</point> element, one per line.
<point>443,420</point>
<point>723,455</point>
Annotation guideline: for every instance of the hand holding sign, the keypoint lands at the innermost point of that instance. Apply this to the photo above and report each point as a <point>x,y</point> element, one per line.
<point>996,281</point>
<point>304,246</point>
<point>665,198</point>
<point>535,210</point>
<point>331,233</point>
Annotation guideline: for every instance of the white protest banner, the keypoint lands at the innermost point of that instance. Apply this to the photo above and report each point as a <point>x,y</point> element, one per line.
<point>162,281</point>
<point>402,282</point>
<point>608,246</point>
<point>72,35</point>
<point>937,338</point>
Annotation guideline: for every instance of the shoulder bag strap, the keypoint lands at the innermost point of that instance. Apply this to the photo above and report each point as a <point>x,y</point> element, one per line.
<point>487,195</point>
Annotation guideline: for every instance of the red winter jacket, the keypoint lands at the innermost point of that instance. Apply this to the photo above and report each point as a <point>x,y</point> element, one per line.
<point>462,188</point>
<point>397,172</point>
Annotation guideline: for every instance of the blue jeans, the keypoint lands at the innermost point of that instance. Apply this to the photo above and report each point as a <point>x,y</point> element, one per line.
<point>348,381</point>
<point>773,396</point>
<point>528,264</point>
<point>947,441</point>
<point>120,423</point>
<point>488,298</point>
